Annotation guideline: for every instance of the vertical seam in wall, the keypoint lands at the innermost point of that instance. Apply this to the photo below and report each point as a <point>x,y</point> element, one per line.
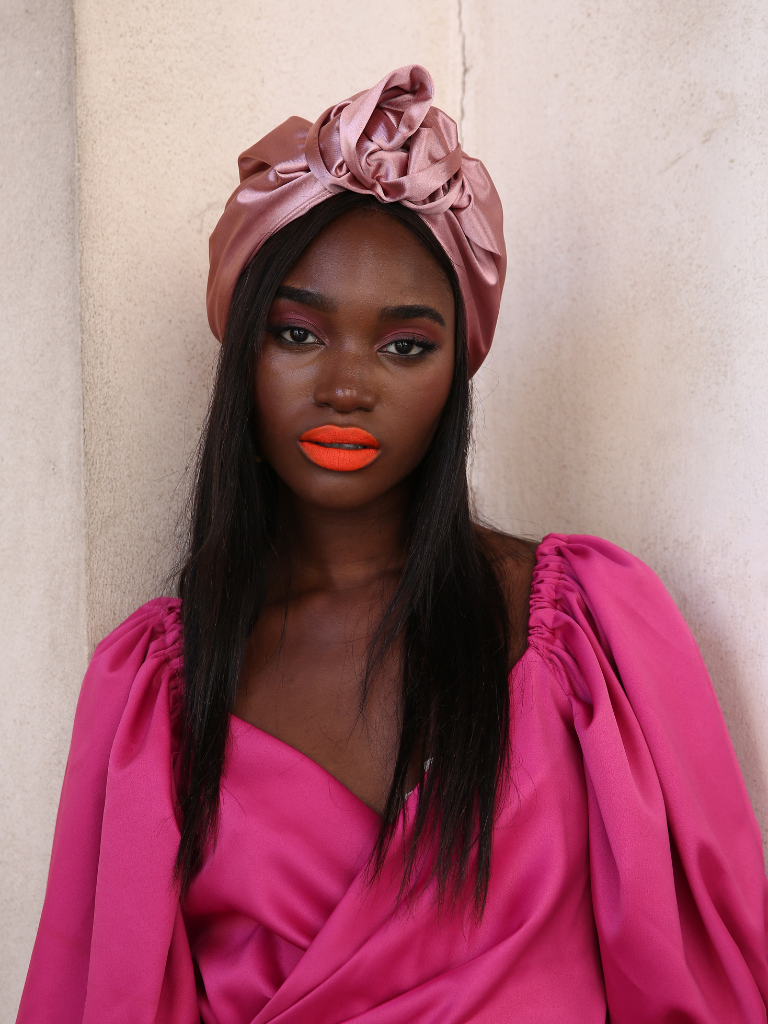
<point>472,459</point>
<point>78,259</point>
<point>464,68</point>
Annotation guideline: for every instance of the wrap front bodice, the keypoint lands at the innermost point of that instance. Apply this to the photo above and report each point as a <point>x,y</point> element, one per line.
<point>627,872</point>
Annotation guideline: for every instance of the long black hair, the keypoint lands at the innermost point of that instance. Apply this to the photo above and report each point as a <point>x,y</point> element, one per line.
<point>447,621</point>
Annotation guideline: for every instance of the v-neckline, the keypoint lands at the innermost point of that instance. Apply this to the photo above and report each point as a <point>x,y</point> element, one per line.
<point>269,737</point>
<point>246,726</point>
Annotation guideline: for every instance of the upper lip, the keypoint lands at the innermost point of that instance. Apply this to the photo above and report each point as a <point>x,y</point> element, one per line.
<point>329,434</point>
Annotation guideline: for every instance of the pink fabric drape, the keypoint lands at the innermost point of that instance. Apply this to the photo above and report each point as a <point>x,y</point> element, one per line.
<point>627,872</point>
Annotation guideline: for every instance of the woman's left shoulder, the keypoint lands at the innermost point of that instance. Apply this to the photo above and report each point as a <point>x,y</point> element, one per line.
<point>595,561</point>
<point>609,592</point>
<point>591,561</point>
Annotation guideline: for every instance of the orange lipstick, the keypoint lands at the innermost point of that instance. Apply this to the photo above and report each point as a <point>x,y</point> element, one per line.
<point>342,449</point>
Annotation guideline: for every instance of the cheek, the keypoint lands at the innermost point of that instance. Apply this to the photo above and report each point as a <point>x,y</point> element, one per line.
<point>275,394</point>
<point>416,413</point>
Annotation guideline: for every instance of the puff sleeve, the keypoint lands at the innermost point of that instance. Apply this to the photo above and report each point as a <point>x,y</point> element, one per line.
<point>676,861</point>
<point>111,946</point>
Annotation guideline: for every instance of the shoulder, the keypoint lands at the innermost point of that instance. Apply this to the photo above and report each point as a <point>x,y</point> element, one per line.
<point>606,576</point>
<point>579,548</point>
<point>586,588</point>
<point>134,657</point>
<point>159,619</point>
<point>581,581</point>
<point>514,558</point>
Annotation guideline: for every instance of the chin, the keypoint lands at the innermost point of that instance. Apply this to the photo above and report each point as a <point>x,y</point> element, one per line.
<point>340,491</point>
<point>332,490</point>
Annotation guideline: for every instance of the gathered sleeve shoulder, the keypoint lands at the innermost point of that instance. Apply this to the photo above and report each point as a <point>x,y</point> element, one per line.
<point>678,879</point>
<point>109,928</point>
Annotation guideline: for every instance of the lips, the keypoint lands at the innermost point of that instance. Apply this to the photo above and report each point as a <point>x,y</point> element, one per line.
<point>342,449</point>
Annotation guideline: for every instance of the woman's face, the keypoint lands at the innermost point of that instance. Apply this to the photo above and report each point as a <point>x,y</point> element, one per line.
<point>361,336</point>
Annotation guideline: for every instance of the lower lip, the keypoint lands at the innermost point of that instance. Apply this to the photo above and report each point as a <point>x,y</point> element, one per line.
<point>341,460</point>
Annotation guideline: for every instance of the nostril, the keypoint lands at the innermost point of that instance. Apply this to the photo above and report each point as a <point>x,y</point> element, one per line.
<point>343,399</point>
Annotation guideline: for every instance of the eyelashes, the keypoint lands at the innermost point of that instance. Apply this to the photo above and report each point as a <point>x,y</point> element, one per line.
<point>292,334</point>
<point>295,336</point>
<point>402,347</point>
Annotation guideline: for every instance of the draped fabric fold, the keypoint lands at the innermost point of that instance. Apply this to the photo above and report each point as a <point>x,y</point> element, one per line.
<point>627,866</point>
<point>678,881</point>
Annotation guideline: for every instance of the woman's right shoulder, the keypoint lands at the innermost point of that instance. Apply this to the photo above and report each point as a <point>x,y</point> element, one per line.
<point>142,654</point>
<point>159,620</point>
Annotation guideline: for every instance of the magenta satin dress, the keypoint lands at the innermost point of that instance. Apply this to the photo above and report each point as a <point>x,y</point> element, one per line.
<point>627,879</point>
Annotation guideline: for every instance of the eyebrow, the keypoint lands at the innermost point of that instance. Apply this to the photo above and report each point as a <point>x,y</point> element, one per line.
<point>413,313</point>
<point>306,297</point>
<point>316,300</point>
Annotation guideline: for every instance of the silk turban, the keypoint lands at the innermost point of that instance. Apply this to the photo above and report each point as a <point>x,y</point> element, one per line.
<point>388,142</point>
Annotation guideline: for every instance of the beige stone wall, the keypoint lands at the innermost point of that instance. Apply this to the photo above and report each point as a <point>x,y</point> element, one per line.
<point>42,543</point>
<point>627,393</point>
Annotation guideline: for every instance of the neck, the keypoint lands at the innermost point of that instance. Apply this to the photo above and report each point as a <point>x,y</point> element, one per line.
<point>341,549</point>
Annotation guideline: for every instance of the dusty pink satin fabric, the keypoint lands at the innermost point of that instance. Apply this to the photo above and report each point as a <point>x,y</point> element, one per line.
<point>627,874</point>
<point>388,142</point>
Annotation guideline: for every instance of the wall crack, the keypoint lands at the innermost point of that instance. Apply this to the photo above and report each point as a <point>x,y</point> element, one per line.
<point>464,66</point>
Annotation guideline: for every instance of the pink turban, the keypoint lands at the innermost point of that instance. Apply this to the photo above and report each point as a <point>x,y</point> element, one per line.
<point>388,142</point>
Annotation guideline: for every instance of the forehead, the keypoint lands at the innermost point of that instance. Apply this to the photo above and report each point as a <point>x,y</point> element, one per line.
<point>369,254</point>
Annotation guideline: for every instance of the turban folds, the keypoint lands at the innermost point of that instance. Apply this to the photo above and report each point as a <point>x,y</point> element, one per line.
<point>388,142</point>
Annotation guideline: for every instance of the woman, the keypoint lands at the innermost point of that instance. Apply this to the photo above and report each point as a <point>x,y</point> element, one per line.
<point>380,763</point>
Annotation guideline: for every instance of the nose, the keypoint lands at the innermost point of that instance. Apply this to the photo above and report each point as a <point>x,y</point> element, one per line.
<point>345,380</point>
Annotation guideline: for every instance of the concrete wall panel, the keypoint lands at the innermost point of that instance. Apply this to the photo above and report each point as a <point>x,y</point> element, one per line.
<point>627,392</point>
<point>42,541</point>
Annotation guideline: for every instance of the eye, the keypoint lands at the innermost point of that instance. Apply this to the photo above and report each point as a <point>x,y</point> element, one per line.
<point>408,347</point>
<point>297,335</point>
<point>294,335</point>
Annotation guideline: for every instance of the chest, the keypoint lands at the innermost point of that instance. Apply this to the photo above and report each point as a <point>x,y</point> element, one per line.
<point>301,683</point>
